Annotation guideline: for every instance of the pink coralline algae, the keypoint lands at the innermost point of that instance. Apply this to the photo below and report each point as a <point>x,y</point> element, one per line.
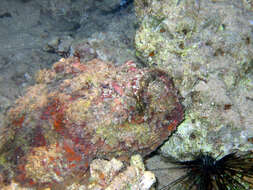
<point>81,111</point>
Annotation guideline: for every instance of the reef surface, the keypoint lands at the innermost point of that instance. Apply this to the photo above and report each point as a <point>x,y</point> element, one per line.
<point>107,175</point>
<point>206,46</point>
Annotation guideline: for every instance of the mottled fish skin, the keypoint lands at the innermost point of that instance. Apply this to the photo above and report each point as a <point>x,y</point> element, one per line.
<point>79,111</point>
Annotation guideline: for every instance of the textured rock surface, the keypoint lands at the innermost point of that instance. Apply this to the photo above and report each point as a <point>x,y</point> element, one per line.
<point>80,111</point>
<point>109,175</point>
<point>105,175</point>
<point>207,47</point>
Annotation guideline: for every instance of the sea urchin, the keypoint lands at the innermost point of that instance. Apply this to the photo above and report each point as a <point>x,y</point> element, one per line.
<point>231,172</point>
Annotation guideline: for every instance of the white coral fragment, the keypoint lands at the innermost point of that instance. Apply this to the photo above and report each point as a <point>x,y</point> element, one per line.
<point>109,176</point>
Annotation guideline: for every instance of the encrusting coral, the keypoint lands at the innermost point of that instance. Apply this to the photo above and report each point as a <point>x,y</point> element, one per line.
<point>206,46</point>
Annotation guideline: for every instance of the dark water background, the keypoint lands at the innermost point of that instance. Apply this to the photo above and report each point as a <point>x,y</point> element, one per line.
<point>27,26</point>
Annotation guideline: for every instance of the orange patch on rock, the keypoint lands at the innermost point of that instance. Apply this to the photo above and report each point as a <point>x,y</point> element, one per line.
<point>19,122</point>
<point>71,154</point>
<point>118,88</point>
<point>172,126</point>
<point>58,124</point>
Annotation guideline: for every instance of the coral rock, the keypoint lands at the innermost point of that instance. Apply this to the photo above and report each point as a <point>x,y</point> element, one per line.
<point>109,175</point>
<point>206,46</point>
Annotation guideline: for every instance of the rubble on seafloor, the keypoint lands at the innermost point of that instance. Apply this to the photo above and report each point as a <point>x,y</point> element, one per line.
<point>109,175</point>
<point>81,111</point>
<point>207,47</point>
